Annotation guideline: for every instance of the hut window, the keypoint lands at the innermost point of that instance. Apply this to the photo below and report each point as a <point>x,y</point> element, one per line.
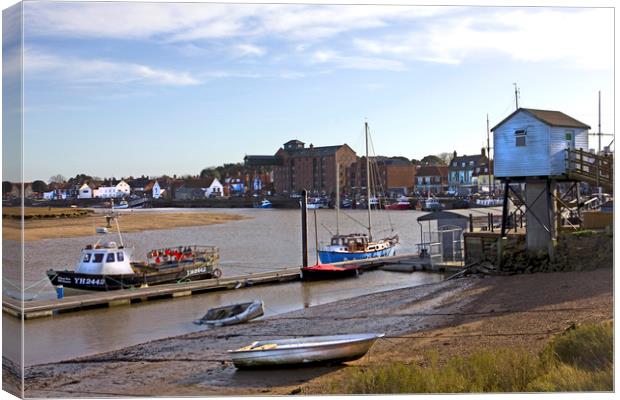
<point>520,137</point>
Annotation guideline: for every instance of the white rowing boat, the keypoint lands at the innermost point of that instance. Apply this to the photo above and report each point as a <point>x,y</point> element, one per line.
<point>304,350</point>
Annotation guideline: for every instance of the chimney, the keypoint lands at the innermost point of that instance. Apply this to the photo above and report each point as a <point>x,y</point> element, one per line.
<point>454,154</point>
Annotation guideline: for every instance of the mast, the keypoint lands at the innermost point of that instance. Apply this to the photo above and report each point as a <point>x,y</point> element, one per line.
<point>516,95</point>
<point>337,198</point>
<point>489,156</point>
<point>599,122</point>
<point>368,183</point>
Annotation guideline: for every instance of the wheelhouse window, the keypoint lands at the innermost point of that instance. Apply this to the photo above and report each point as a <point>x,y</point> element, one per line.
<point>86,257</point>
<point>520,137</point>
<point>97,257</point>
<point>110,257</point>
<point>120,256</point>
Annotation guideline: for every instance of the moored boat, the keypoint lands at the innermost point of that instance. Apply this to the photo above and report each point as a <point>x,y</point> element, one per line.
<point>358,246</point>
<point>263,204</point>
<point>304,350</point>
<point>328,271</point>
<point>108,266</point>
<point>232,314</point>
<point>401,204</point>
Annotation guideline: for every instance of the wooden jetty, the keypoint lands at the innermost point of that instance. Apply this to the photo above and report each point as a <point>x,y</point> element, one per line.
<point>46,308</point>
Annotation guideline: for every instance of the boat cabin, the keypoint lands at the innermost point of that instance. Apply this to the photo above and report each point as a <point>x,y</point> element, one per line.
<point>108,259</point>
<point>353,242</point>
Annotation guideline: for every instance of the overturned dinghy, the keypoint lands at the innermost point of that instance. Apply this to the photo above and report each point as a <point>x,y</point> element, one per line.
<point>232,314</point>
<point>304,350</point>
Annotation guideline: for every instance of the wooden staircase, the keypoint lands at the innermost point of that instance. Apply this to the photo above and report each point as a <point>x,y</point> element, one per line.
<point>591,168</point>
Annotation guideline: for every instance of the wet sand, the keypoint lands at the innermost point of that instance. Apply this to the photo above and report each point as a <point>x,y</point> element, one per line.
<point>452,317</point>
<point>131,222</point>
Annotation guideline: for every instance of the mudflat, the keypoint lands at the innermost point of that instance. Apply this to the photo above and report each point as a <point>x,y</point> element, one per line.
<point>452,317</point>
<point>53,228</point>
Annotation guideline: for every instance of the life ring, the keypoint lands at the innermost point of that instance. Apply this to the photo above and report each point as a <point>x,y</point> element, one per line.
<point>154,253</point>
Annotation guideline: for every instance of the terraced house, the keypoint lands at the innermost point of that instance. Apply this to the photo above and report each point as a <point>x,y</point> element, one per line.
<point>463,172</point>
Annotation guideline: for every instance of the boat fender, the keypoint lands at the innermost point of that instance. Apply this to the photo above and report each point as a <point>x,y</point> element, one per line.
<point>217,272</point>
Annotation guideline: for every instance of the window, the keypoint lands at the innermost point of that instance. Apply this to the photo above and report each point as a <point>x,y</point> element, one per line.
<point>569,134</point>
<point>110,257</point>
<point>86,257</point>
<point>97,257</point>
<point>120,256</point>
<point>520,137</point>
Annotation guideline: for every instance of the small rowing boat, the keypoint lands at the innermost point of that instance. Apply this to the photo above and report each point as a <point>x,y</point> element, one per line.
<point>232,314</point>
<point>304,350</point>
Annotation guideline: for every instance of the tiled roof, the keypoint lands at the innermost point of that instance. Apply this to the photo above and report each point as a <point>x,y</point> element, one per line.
<point>552,118</point>
<point>432,170</point>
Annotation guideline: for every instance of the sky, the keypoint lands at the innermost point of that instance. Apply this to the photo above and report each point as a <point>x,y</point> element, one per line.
<point>120,89</point>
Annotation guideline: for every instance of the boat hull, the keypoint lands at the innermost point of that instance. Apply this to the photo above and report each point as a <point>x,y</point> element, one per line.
<point>305,351</point>
<point>315,273</point>
<point>98,282</point>
<point>339,256</point>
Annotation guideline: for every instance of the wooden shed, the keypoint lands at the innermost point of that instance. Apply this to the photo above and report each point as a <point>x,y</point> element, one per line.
<point>532,143</point>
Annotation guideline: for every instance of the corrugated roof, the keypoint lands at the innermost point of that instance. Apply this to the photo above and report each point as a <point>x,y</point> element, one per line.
<point>552,118</point>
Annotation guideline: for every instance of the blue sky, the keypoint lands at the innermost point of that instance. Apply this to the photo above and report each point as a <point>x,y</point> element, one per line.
<point>119,89</point>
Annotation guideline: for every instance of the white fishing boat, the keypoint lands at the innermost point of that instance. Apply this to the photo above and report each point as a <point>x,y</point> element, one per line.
<point>304,350</point>
<point>358,246</point>
<point>232,314</point>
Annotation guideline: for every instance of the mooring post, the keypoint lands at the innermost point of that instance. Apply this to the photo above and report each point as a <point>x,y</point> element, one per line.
<point>304,227</point>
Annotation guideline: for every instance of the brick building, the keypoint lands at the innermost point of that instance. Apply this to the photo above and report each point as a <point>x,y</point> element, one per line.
<point>297,167</point>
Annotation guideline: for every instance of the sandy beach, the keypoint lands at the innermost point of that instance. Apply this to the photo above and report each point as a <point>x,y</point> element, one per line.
<point>54,228</point>
<point>452,317</point>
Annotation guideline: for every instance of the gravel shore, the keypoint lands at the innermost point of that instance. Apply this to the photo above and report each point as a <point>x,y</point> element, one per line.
<point>452,317</point>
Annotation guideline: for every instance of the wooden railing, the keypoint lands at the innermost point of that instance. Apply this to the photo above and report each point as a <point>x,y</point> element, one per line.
<point>589,167</point>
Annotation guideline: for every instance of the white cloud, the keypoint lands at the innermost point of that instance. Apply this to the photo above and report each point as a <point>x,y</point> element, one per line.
<point>336,60</point>
<point>176,22</point>
<point>249,50</point>
<point>577,38</point>
<point>87,71</point>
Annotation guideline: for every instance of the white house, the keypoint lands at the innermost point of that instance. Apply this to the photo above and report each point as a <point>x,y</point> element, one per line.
<point>123,188</point>
<point>105,192</point>
<point>154,188</point>
<point>85,192</point>
<point>534,142</point>
<point>215,189</point>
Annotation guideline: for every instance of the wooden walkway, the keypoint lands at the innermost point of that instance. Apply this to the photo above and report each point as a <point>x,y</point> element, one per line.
<point>46,308</point>
<point>591,168</point>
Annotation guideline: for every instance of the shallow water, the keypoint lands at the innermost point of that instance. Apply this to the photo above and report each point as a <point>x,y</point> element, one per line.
<point>269,240</point>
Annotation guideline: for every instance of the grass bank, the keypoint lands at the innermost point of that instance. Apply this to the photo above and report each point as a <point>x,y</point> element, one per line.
<point>53,228</point>
<point>580,359</point>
